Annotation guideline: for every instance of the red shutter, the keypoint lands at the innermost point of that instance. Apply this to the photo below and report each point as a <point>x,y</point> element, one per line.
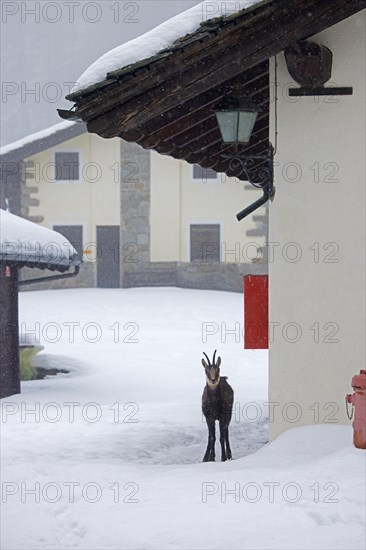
<point>256,312</point>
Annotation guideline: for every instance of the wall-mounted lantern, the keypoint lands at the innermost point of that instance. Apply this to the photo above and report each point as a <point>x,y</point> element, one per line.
<point>236,116</point>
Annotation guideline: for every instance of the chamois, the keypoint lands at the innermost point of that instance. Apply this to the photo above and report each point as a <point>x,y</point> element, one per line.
<point>217,404</point>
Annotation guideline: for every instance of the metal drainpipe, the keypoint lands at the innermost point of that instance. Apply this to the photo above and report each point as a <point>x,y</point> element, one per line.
<point>51,277</point>
<point>268,193</point>
<point>269,189</point>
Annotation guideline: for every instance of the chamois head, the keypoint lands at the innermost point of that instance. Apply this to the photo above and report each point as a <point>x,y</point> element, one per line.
<point>212,370</point>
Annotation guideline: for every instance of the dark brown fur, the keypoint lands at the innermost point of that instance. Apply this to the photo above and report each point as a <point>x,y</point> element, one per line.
<point>217,404</point>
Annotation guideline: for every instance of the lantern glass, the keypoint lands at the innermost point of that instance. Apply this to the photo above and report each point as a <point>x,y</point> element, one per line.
<point>228,124</point>
<point>245,125</point>
<point>236,126</point>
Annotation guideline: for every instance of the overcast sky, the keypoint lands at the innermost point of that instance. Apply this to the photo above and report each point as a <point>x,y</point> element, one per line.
<point>47,44</point>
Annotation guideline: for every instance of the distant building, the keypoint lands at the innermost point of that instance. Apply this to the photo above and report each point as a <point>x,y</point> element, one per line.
<point>134,216</point>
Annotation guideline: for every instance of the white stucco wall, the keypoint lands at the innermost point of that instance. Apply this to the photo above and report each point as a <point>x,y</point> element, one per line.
<point>91,201</point>
<point>177,200</point>
<point>317,285</point>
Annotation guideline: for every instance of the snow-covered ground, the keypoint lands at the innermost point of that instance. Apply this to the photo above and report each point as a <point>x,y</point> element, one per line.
<point>109,456</point>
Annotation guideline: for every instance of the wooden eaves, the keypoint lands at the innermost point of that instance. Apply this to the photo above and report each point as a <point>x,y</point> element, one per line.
<point>166,102</point>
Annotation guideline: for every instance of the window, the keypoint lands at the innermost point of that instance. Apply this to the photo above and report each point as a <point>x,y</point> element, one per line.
<point>66,166</point>
<point>205,242</point>
<point>203,174</point>
<point>74,234</point>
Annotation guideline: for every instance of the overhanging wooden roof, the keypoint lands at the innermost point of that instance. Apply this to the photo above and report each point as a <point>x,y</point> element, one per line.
<point>166,102</point>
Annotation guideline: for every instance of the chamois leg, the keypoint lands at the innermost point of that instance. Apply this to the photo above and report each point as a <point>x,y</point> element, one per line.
<point>223,439</point>
<point>210,451</point>
<point>228,450</point>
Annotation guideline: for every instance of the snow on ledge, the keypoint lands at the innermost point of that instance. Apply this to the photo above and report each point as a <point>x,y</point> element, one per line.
<point>22,241</point>
<point>157,39</point>
<point>42,134</point>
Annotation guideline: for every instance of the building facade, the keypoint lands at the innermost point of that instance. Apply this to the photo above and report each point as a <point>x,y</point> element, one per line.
<point>134,216</point>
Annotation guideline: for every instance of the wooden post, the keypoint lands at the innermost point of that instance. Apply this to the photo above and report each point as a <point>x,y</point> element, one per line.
<point>9,331</point>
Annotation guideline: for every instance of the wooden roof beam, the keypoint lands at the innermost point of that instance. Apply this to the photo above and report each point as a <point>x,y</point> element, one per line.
<point>231,62</point>
<point>215,150</point>
<point>203,135</point>
<point>186,114</point>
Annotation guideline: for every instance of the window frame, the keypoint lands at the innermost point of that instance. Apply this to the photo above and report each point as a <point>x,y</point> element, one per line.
<point>67,182</point>
<point>72,224</point>
<point>189,243</point>
<point>201,179</point>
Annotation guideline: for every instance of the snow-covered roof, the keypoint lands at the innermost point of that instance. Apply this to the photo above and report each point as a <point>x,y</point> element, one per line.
<point>64,128</point>
<point>166,102</point>
<point>29,244</point>
<point>159,38</point>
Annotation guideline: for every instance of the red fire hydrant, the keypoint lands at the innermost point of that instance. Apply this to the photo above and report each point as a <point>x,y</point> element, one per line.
<point>358,401</point>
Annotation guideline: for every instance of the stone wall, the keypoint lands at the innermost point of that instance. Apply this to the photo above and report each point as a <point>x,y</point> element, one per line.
<point>135,210</point>
<point>212,276</point>
<point>203,275</point>
<point>136,268</point>
<point>85,279</point>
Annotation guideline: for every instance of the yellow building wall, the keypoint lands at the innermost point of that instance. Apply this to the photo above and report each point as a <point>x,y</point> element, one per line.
<point>92,200</point>
<point>165,209</point>
<point>178,200</point>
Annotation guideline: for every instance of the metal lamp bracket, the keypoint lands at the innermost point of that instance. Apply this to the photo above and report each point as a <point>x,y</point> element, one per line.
<point>260,177</point>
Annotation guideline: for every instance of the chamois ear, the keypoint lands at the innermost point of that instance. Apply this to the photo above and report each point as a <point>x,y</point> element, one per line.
<point>218,362</point>
<point>205,366</point>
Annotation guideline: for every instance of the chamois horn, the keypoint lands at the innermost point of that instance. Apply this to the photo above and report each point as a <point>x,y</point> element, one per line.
<point>208,361</point>
<point>213,360</point>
